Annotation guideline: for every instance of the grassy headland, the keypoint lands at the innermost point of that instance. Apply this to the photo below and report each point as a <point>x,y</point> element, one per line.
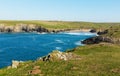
<point>54,25</point>
<point>114,31</point>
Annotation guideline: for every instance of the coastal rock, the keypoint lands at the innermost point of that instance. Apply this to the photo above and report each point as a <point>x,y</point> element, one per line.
<point>15,64</point>
<point>2,26</point>
<point>93,31</point>
<point>57,55</point>
<point>30,28</point>
<point>18,28</point>
<point>22,28</point>
<point>102,32</point>
<point>98,39</point>
<point>8,29</point>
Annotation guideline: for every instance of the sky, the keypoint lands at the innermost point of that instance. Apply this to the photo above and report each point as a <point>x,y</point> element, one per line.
<point>61,10</point>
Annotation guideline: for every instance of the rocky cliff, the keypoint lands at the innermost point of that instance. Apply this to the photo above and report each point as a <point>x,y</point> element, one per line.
<point>99,39</point>
<point>22,28</point>
<point>109,35</point>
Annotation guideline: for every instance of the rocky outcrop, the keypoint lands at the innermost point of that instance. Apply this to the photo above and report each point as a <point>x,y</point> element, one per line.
<point>102,32</point>
<point>98,39</point>
<point>57,55</point>
<point>99,31</point>
<point>93,31</point>
<point>22,28</point>
<point>15,64</point>
<point>103,37</point>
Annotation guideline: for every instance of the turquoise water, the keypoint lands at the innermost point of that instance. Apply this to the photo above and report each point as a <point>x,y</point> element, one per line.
<point>30,46</point>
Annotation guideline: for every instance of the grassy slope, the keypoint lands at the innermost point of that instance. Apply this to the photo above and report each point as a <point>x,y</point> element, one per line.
<point>114,32</point>
<point>97,60</point>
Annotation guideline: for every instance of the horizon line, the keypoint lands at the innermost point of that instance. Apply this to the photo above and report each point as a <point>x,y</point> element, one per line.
<point>59,20</point>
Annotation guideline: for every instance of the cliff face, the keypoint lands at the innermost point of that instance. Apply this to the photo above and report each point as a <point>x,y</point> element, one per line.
<point>22,28</point>
<point>110,35</point>
<point>98,39</point>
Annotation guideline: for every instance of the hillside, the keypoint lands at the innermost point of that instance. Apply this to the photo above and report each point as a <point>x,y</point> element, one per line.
<point>114,32</point>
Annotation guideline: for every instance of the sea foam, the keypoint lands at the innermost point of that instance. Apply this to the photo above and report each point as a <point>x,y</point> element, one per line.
<point>86,33</point>
<point>59,41</point>
<point>58,48</point>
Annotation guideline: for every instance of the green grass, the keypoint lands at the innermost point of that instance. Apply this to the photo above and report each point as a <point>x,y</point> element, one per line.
<point>114,31</point>
<point>96,60</point>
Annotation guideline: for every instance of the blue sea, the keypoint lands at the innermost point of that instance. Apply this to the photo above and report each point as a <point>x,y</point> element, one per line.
<point>30,46</point>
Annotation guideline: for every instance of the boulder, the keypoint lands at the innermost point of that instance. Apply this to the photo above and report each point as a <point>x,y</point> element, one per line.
<point>57,55</point>
<point>15,64</point>
<point>93,31</point>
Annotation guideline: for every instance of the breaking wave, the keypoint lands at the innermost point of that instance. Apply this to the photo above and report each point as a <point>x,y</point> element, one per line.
<point>59,41</point>
<point>87,33</point>
<point>58,48</point>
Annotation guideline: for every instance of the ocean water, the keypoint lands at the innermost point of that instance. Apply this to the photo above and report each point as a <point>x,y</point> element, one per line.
<point>30,46</point>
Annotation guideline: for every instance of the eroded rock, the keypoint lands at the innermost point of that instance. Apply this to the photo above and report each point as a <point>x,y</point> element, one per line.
<point>22,28</point>
<point>99,39</point>
<point>57,55</point>
<point>15,64</point>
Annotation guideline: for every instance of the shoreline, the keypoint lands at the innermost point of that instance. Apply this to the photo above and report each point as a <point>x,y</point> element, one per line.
<point>79,30</point>
<point>37,28</point>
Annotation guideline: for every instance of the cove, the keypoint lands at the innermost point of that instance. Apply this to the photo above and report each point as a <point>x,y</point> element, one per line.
<point>30,46</point>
